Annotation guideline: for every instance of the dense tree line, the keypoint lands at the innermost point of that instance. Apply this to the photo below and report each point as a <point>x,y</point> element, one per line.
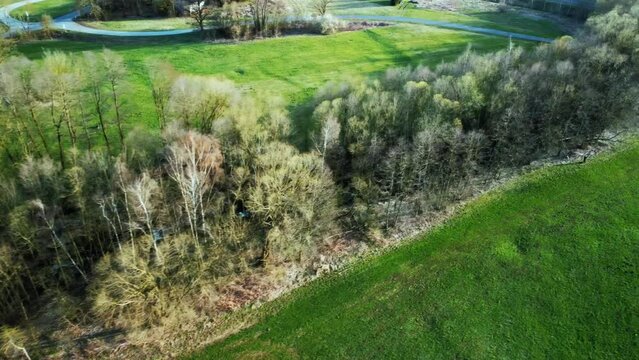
<point>136,222</point>
<point>426,133</point>
<point>224,155</point>
<point>59,96</point>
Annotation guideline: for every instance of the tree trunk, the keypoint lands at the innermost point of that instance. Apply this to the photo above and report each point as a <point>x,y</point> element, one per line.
<point>97,95</point>
<point>86,128</point>
<point>43,138</point>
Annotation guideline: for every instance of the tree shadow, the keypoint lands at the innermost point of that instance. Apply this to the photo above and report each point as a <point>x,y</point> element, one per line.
<point>398,56</point>
<point>76,42</point>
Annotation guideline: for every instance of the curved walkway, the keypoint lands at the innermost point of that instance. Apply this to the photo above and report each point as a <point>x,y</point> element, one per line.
<point>67,23</point>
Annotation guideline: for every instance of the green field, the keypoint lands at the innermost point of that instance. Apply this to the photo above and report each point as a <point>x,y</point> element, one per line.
<point>291,67</point>
<point>54,8</point>
<point>142,24</point>
<point>546,269</point>
<point>509,21</point>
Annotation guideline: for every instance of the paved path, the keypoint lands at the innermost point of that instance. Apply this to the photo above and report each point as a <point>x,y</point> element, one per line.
<point>13,24</point>
<point>67,23</point>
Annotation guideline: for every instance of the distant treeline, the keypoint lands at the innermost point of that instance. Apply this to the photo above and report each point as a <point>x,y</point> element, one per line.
<point>135,226</point>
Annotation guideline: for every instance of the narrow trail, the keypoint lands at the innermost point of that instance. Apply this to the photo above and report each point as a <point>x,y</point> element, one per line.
<point>67,23</point>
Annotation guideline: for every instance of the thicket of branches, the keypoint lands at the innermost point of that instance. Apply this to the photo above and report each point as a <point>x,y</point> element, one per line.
<point>242,19</point>
<point>136,221</point>
<point>416,137</point>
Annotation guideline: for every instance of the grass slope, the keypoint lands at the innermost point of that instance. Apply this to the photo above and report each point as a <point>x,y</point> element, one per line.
<point>54,8</point>
<point>547,269</point>
<point>505,21</point>
<point>175,23</point>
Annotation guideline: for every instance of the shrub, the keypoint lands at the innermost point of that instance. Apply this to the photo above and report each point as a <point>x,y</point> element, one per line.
<point>330,25</point>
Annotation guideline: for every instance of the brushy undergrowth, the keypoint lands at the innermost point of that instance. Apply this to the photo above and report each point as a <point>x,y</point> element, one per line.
<point>547,268</point>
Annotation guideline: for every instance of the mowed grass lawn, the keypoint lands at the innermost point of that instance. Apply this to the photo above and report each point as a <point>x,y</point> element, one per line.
<point>53,8</point>
<point>290,67</point>
<point>506,21</point>
<point>142,24</point>
<point>546,269</point>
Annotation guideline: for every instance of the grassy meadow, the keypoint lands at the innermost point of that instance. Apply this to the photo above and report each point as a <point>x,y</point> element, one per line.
<point>53,8</point>
<point>509,21</point>
<point>546,268</point>
<point>290,67</point>
<point>142,24</point>
<point>491,20</point>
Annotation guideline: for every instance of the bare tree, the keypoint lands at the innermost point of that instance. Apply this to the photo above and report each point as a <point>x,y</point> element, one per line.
<point>200,12</point>
<point>115,74</point>
<point>16,95</point>
<point>122,179</point>
<point>110,213</point>
<point>95,10</point>
<point>145,194</point>
<point>199,101</point>
<point>47,26</point>
<point>195,164</point>
<point>329,134</point>
<point>320,7</point>
<point>58,86</point>
<point>95,78</point>
<point>293,198</point>
<point>263,13</point>
<point>50,224</point>
<point>162,76</point>
<point>25,70</point>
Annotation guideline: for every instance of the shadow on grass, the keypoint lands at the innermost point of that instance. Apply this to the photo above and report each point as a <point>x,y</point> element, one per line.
<point>538,26</point>
<point>397,55</point>
<point>74,42</point>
